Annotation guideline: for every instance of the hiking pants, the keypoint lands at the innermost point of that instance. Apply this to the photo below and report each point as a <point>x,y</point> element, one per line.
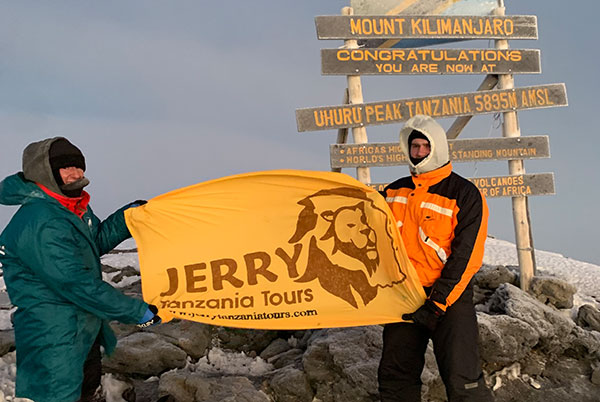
<point>456,352</point>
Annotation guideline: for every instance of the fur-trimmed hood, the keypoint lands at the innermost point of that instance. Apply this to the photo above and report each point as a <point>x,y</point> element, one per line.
<point>439,155</point>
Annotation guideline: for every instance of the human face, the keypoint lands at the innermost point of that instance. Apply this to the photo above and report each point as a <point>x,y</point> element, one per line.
<point>70,174</point>
<point>419,148</point>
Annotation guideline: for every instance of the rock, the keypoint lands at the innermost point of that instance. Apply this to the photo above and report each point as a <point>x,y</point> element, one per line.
<point>290,385</point>
<point>276,347</point>
<point>108,269</point>
<point>299,339</point>
<point>504,340</point>
<point>194,387</point>
<point>583,345</point>
<point>193,337</point>
<point>341,363</point>
<point>123,330</point>
<point>144,353</point>
<point>125,273</point>
<point>480,295</point>
<point>146,389</point>
<point>490,277</point>
<point>530,350</point>
<point>245,340</point>
<point>553,291</point>
<point>571,377</point>
<point>288,358</point>
<point>588,317</point>
<point>533,364</point>
<point>550,325</point>
<point>595,378</point>
<point>7,342</point>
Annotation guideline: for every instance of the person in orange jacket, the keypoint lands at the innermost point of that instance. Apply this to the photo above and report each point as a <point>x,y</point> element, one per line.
<point>442,218</point>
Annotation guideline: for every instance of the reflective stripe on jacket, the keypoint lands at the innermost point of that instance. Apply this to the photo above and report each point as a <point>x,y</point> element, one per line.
<point>442,218</point>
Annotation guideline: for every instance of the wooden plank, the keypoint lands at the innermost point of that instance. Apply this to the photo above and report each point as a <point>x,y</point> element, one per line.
<point>508,186</point>
<point>516,186</point>
<point>520,205</point>
<point>457,126</point>
<point>465,104</point>
<point>418,7</point>
<point>465,150</point>
<point>426,27</point>
<point>429,61</point>
<point>342,136</point>
<point>355,96</point>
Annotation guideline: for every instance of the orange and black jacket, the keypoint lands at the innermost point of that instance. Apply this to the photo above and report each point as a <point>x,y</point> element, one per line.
<point>442,218</point>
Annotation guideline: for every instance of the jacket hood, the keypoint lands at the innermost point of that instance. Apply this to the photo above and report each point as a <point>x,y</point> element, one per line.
<point>36,164</point>
<point>15,190</point>
<point>37,167</point>
<point>439,155</point>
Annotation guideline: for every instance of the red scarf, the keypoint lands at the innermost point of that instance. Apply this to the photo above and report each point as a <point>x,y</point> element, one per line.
<point>77,205</point>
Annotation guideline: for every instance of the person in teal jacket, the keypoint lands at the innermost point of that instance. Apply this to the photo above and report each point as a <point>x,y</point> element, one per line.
<point>50,254</point>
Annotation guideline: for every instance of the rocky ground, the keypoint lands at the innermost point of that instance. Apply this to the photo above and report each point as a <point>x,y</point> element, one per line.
<point>533,349</point>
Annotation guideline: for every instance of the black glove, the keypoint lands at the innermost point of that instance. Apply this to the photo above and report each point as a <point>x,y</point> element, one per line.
<point>428,315</point>
<point>136,203</point>
<point>150,317</point>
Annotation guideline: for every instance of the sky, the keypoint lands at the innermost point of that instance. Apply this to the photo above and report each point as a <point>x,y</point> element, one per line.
<point>160,95</point>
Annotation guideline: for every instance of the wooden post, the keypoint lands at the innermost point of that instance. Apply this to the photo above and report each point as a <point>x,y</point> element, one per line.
<point>355,96</point>
<point>342,135</point>
<point>456,128</point>
<point>510,128</point>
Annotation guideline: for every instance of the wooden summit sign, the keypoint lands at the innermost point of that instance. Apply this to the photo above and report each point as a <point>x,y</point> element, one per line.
<point>468,150</point>
<point>508,186</point>
<point>425,26</point>
<point>429,61</point>
<point>465,104</point>
<point>385,37</point>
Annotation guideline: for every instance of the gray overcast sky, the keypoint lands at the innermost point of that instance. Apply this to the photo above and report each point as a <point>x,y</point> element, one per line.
<point>163,94</point>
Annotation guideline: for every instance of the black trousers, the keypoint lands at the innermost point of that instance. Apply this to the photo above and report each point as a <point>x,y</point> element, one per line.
<point>456,352</point>
<point>92,373</point>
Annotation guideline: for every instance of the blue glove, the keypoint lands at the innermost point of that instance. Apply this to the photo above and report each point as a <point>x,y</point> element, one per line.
<point>135,203</point>
<point>150,317</point>
<point>428,315</point>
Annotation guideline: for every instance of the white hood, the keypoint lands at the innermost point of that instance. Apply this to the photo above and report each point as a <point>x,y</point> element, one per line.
<point>436,135</point>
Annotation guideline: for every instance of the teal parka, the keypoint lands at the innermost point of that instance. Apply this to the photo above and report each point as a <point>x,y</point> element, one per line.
<point>51,263</point>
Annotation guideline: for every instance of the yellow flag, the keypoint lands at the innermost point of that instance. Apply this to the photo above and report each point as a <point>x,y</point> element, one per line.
<point>281,249</point>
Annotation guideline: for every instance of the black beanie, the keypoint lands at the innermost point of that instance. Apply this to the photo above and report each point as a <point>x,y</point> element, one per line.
<point>63,154</point>
<point>412,136</point>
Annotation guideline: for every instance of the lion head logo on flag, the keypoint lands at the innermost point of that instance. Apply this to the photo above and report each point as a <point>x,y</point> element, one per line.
<point>344,249</point>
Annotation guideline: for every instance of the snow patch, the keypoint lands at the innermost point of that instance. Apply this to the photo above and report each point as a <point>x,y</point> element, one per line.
<point>122,260</point>
<point>112,389</point>
<point>583,275</point>
<point>223,362</point>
